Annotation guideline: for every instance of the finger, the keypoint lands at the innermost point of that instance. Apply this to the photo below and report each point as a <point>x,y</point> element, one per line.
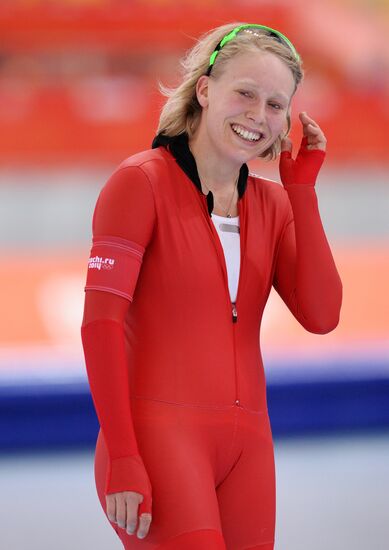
<point>309,125</point>
<point>132,502</point>
<point>312,142</point>
<point>314,136</point>
<point>316,139</point>
<point>144,525</point>
<point>111,507</point>
<point>306,127</point>
<point>319,145</point>
<point>314,129</point>
<point>120,510</point>
<point>303,116</point>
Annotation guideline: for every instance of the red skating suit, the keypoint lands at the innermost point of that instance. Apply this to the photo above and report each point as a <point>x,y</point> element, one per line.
<point>175,368</point>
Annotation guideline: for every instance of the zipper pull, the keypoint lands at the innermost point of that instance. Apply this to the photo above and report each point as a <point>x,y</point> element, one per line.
<point>234,313</point>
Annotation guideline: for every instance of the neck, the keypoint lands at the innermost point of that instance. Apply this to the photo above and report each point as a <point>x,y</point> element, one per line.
<point>217,173</point>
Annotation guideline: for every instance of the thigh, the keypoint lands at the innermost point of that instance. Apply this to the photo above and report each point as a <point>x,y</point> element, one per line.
<point>174,451</point>
<point>247,495</point>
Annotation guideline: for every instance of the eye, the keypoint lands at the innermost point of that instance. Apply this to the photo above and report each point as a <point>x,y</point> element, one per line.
<point>276,106</point>
<point>244,93</point>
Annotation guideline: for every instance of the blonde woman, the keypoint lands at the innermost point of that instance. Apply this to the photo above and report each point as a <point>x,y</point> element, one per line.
<point>187,245</point>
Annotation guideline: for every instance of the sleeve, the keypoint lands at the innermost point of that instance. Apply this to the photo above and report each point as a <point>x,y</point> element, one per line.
<point>305,274</point>
<point>123,224</point>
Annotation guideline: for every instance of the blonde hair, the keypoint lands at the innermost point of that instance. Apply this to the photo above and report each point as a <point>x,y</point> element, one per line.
<point>181,112</point>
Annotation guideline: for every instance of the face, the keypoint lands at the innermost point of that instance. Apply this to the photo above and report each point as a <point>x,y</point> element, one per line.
<point>245,109</point>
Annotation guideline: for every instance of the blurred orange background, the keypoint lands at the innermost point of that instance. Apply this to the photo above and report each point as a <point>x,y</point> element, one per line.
<point>79,88</point>
<point>79,78</point>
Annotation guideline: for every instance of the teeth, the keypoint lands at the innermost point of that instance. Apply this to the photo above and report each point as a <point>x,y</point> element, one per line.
<point>250,136</point>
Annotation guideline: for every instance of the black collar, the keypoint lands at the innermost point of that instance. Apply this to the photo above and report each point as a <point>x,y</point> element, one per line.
<point>179,147</point>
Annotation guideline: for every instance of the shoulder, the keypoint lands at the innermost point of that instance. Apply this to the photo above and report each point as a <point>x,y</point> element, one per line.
<point>148,168</point>
<point>267,188</point>
<point>271,195</point>
<point>131,176</point>
<point>137,172</point>
<point>147,162</point>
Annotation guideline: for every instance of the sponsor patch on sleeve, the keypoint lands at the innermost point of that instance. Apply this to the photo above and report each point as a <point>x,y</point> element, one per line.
<point>114,265</point>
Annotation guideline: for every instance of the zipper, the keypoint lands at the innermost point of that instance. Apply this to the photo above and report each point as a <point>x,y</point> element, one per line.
<point>234,321</point>
<point>234,309</point>
<point>234,312</point>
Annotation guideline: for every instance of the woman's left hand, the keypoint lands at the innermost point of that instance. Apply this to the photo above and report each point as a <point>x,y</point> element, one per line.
<point>310,157</point>
<point>312,131</point>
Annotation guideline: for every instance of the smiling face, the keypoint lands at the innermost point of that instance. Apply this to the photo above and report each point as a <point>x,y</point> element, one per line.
<point>245,109</point>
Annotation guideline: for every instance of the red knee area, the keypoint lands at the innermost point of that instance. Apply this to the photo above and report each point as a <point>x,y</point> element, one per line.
<point>204,539</point>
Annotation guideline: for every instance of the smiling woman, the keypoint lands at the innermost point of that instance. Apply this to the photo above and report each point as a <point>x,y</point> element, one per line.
<point>182,111</point>
<point>171,331</point>
<point>257,113</point>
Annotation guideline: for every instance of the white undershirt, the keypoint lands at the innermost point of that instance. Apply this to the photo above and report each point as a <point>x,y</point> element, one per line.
<point>231,246</point>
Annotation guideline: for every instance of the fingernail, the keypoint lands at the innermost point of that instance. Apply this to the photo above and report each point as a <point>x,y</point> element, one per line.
<point>141,535</point>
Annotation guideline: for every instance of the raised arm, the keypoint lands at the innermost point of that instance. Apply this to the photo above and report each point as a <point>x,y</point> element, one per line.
<point>305,275</point>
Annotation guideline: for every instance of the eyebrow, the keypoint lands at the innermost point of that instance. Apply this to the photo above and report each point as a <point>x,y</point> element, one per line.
<point>250,82</point>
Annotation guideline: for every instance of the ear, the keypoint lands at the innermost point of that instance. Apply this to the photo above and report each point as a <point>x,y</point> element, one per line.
<point>202,90</point>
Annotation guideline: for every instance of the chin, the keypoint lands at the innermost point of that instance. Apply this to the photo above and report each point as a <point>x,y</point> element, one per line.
<point>243,156</point>
<point>246,154</point>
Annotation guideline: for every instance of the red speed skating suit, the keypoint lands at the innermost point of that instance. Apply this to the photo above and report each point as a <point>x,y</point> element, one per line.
<point>175,368</point>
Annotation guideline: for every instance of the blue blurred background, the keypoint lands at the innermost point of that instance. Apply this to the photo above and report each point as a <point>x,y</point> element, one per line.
<point>78,94</point>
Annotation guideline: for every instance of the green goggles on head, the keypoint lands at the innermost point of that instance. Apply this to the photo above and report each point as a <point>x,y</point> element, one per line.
<point>272,32</point>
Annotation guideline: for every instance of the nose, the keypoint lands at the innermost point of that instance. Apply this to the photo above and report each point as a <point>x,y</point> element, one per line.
<point>257,112</point>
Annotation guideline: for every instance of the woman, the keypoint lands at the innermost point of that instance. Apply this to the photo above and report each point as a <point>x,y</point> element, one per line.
<point>186,247</point>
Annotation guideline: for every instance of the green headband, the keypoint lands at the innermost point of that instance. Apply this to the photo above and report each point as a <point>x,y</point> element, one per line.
<point>272,32</point>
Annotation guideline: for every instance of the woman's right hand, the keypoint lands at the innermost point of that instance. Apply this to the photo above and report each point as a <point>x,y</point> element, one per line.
<point>122,509</point>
